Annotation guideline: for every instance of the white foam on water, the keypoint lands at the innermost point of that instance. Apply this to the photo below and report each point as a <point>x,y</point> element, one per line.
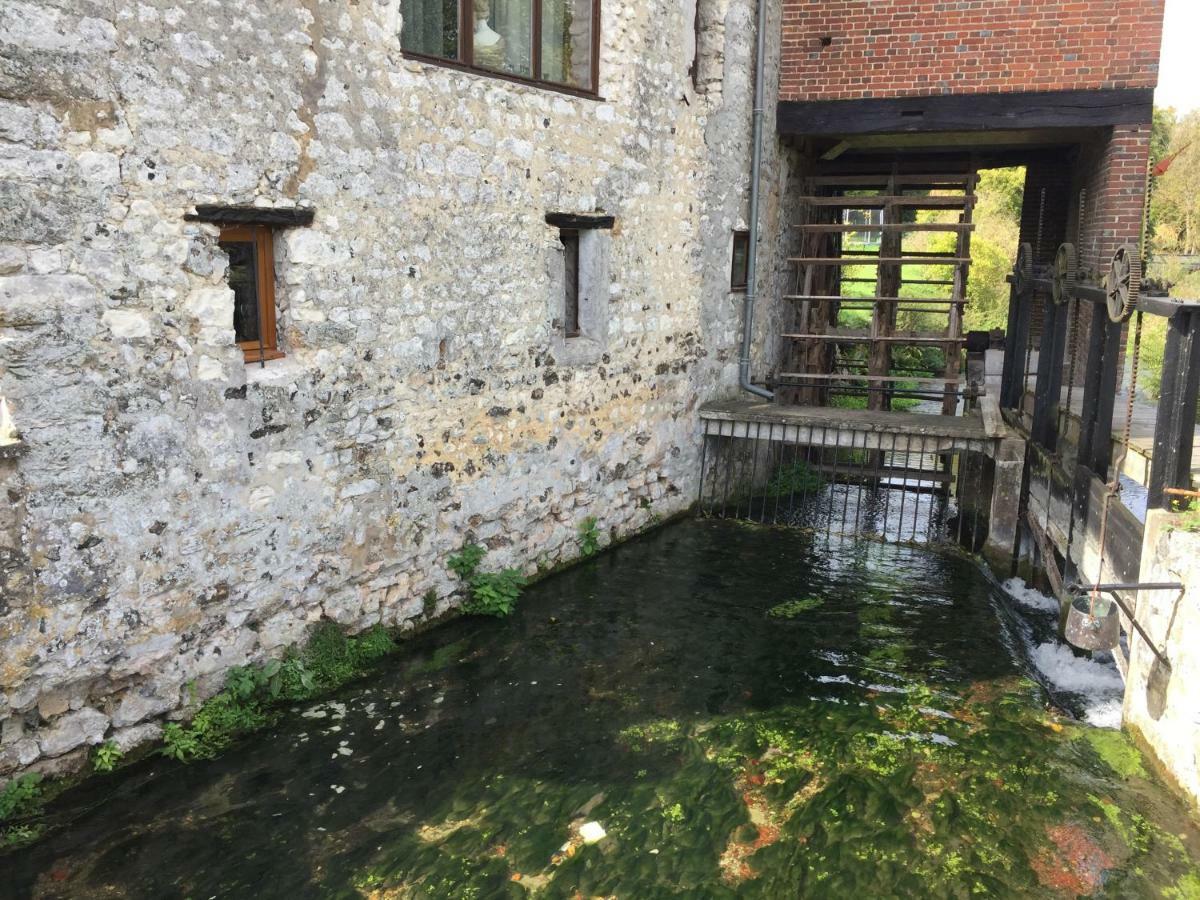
<point>1104,714</point>
<point>1027,596</point>
<point>1076,673</point>
<point>1100,684</point>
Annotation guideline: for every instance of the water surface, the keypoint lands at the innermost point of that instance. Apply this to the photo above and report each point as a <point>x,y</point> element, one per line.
<point>743,711</point>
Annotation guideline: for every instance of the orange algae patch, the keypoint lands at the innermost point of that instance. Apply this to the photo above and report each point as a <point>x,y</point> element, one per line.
<point>766,819</point>
<point>1076,864</point>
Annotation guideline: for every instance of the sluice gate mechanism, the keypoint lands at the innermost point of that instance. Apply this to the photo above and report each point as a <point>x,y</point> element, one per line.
<point>899,477</point>
<point>877,428</point>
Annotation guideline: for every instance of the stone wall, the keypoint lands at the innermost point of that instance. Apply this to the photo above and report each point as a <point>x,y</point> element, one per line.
<point>175,512</point>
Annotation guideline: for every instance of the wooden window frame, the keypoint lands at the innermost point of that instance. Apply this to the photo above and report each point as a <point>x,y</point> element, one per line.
<point>466,62</point>
<point>740,236</point>
<point>262,236</point>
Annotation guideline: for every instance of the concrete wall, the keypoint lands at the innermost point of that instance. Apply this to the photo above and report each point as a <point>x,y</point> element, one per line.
<point>175,512</point>
<point>1162,702</point>
<point>898,48</point>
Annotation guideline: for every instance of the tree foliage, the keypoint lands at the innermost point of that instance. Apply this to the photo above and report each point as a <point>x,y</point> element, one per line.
<point>1176,197</point>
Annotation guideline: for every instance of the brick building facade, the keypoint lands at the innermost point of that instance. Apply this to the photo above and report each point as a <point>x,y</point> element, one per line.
<point>859,49</point>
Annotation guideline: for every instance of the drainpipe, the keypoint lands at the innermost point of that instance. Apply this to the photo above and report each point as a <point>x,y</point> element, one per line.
<point>755,175</point>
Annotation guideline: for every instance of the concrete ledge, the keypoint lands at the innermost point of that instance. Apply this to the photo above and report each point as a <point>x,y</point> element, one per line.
<point>965,428</point>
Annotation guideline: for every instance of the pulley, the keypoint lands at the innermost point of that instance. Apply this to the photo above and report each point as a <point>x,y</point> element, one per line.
<point>1123,283</point>
<point>1066,271</point>
<point>1023,269</point>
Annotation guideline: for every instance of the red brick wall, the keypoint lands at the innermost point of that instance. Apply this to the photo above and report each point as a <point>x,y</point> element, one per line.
<point>1116,198</point>
<point>894,48</point>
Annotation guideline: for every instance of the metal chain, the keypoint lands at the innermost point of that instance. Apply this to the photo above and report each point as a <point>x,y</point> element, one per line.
<point>1114,486</point>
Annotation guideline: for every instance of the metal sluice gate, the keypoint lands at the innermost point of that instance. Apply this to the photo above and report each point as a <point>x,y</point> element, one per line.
<point>895,486</point>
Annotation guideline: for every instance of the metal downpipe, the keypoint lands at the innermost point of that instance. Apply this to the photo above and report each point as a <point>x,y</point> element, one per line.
<point>755,176</point>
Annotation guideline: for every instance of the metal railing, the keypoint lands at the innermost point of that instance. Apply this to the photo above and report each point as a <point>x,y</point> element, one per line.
<point>893,486</point>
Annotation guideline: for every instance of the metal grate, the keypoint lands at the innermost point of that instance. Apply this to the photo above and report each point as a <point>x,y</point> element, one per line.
<point>894,486</point>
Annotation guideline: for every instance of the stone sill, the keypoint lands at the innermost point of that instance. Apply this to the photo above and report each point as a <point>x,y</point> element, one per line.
<point>13,449</point>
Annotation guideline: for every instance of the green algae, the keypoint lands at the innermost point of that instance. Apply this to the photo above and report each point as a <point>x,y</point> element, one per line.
<point>1117,752</point>
<point>1186,888</point>
<point>793,608</point>
<point>666,731</point>
<point>441,658</point>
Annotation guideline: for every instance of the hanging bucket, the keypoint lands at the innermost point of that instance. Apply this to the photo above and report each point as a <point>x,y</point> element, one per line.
<point>1093,624</point>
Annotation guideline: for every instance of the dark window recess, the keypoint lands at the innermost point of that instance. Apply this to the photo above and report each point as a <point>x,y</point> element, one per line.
<point>243,278</point>
<point>550,42</point>
<point>570,242</point>
<point>251,276</point>
<point>741,261</point>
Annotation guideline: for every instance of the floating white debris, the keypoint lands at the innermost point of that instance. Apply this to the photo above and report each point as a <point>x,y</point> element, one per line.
<point>337,788</point>
<point>379,725</point>
<point>592,832</point>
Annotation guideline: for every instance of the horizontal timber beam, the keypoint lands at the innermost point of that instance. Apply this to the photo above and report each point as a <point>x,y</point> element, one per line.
<point>966,112</point>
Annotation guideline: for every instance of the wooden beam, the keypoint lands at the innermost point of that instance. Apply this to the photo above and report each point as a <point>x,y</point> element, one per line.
<point>580,221</point>
<point>879,201</point>
<point>1017,110</point>
<point>842,228</point>
<point>251,215</point>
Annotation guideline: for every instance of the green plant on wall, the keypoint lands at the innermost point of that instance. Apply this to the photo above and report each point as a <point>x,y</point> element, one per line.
<point>589,536</point>
<point>20,798</point>
<point>488,593</point>
<point>106,757</point>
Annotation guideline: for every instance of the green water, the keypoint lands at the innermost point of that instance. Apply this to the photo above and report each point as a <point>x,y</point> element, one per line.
<point>743,712</point>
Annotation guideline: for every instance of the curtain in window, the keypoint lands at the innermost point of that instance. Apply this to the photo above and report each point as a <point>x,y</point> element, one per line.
<point>567,42</point>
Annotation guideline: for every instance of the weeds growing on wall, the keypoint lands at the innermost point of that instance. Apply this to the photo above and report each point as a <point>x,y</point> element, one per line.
<point>589,537</point>
<point>106,757</point>
<point>488,593</point>
<point>253,694</point>
<point>20,799</point>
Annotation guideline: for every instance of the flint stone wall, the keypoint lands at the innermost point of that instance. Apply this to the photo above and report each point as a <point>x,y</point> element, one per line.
<point>174,512</point>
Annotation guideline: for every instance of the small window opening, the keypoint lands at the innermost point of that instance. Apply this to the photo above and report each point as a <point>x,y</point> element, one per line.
<point>252,277</point>
<point>570,242</point>
<point>741,261</point>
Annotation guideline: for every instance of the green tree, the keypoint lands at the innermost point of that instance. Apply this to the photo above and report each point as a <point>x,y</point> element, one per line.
<point>1176,198</point>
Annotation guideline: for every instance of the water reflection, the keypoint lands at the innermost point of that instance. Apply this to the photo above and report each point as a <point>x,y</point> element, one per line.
<point>741,711</point>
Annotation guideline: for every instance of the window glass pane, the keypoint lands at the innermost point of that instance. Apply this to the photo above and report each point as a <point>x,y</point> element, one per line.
<point>430,27</point>
<point>503,36</point>
<point>243,278</point>
<point>567,42</point>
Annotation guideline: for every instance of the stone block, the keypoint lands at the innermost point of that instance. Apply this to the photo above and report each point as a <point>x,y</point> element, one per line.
<point>84,726</point>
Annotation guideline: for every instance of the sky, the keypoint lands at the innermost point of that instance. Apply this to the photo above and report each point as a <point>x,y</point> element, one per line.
<point>1178,81</point>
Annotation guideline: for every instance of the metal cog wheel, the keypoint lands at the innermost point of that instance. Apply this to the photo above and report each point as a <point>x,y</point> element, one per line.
<point>1123,283</point>
<point>1066,272</point>
<point>1023,269</point>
